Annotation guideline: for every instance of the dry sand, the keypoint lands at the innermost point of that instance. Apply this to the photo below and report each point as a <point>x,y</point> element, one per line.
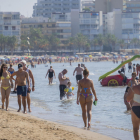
<point>19,126</point>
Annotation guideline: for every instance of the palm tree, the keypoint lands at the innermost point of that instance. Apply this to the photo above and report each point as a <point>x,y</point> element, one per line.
<point>121,43</point>
<point>12,41</point>
<point>113,42</point>
<point>80,41</point>
<point>135,42</point>
<point>1,42</point>
<point>71,41</point>
<point>94,42</point>
<point>100,40</point>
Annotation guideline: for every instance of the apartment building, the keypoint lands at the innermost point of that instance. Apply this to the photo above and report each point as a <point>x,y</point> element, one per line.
<point>10,24</point>
<point>131,6</point>
<point>88,4</point>
<point>108,5</point>
<point>46,7</point>
<point>61,17</point>
<point>62,29</point>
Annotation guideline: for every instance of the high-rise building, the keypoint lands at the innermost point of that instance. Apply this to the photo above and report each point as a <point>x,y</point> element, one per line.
<point>46,7</point>
<point>108,5</point>
<point>10,24</point>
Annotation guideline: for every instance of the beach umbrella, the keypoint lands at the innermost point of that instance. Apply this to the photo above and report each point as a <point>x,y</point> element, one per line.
<point>90,55</point>
<point>77,56</point>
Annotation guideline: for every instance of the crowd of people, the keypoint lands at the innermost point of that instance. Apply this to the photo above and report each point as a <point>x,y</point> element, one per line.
<point>23,82</point>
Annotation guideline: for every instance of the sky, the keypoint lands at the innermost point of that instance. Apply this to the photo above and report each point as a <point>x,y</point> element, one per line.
<point>25,7</point>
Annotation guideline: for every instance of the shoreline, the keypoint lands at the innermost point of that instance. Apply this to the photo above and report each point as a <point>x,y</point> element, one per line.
<point>25,126</point>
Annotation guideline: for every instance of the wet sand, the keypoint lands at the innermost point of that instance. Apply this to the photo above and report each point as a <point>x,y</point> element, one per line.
<point>14,125</point>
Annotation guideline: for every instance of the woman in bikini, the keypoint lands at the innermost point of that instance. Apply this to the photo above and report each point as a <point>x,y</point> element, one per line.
<point>134,94</point>
<point>84,96</point>
<point>5,85</point>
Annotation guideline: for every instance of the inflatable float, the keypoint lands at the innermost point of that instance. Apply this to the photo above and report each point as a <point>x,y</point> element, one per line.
<point>115,80</point>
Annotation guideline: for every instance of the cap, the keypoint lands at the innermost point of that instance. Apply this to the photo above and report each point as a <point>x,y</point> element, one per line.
<point>24,62</point>
<point>20,66</point>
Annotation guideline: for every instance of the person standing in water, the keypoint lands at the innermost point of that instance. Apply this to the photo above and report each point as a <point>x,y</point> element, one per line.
<point>130,67</point>
<point>32,83</point>
<point>6,85</point>
<point>22,77</point>
<point>78,71</point>
<point>134,94</point>
<point>51,72</point>
<point>11,69</point>
<point>63,83</point>
<point>85,97</point>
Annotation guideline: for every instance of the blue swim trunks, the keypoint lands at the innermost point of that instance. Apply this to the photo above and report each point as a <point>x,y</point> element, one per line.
<point>22,90</point>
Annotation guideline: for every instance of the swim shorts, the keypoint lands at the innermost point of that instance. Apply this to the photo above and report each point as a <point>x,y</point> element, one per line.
<point>62,92</point>
<point>122,70</point>
<point>22,90</point>
<point>130,67</point>
<point>125,79</point>
<point>78,77</point>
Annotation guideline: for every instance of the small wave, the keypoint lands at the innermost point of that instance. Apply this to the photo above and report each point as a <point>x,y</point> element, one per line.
<point>91,73</point>
<point>125,129</point>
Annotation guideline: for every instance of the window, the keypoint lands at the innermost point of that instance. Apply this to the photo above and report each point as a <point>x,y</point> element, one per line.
<point>53,25</point>
<point>13,27</point>
<point>5,27</point>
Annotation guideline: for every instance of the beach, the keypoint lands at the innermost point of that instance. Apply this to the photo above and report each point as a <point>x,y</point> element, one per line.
<point>14,126</point>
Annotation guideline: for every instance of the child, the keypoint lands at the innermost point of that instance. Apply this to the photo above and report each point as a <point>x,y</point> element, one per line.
<point>69,90</point>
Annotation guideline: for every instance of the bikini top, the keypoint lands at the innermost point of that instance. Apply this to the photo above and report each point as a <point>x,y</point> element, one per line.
<point>86,89</point>
<point>2,77</point>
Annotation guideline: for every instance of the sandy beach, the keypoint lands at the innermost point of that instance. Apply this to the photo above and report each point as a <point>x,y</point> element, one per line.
<point>19,126</point>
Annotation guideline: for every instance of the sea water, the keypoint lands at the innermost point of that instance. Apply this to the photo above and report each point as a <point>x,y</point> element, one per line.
<point>109,117</point>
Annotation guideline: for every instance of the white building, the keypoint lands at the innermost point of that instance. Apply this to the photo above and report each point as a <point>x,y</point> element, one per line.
<point>46,7</point>
<point>10,24</point>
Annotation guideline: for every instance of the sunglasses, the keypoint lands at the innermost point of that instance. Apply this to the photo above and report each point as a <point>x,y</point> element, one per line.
<point>5,67</point>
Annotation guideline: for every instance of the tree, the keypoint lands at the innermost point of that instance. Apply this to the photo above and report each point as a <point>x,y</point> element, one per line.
<point>1,42</point>
<point>113,42</point>
<point>100,40</point>
<point>71,41</point>
<point>80,41</point>
<point>94,42</point>
<point>121,43</point>
<point>135,42</point>
<point>12,42</point>
<point>86,9</point>
<point>53,42</point>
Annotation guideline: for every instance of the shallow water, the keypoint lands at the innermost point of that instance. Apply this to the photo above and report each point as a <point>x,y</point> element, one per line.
<point>109,117</point>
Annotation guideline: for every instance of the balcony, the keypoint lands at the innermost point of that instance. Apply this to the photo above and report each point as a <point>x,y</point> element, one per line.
<point>7,23</point>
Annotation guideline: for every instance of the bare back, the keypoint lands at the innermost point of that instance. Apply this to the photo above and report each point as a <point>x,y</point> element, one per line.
<point>79,70</point>
<point>86,84</point>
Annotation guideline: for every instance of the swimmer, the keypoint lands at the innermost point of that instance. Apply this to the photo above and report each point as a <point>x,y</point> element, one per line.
<point>134,68</point>
<point>85,97</point>
<point>78,71</point>
<point>130,67</point>
<point>69,90</point>
<point>11,69</point>
<point>50,76</point>
<point>124,78</point>
<point>63,83</point>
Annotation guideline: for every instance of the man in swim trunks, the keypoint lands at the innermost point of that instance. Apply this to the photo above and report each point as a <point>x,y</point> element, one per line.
<point>124,78</point>
<point>130,67</point>
<point>63,83</point>
<point>79,71</point>
<point>32,83</point>
<point>51,72</point>
<point>22,77</point>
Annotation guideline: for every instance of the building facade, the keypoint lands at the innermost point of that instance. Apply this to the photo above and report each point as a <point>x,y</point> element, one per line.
<point>46,7</point>
<point>10,24</point>
<point>108,5</point>
<point>61,29</point>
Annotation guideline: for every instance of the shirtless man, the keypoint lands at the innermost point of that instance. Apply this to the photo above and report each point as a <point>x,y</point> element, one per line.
<point>50,76</point>
<point>22,76</point>
<point>32,82</point>
<point>79,71</point>
<point>130,67</point>
<point>63,83</point>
